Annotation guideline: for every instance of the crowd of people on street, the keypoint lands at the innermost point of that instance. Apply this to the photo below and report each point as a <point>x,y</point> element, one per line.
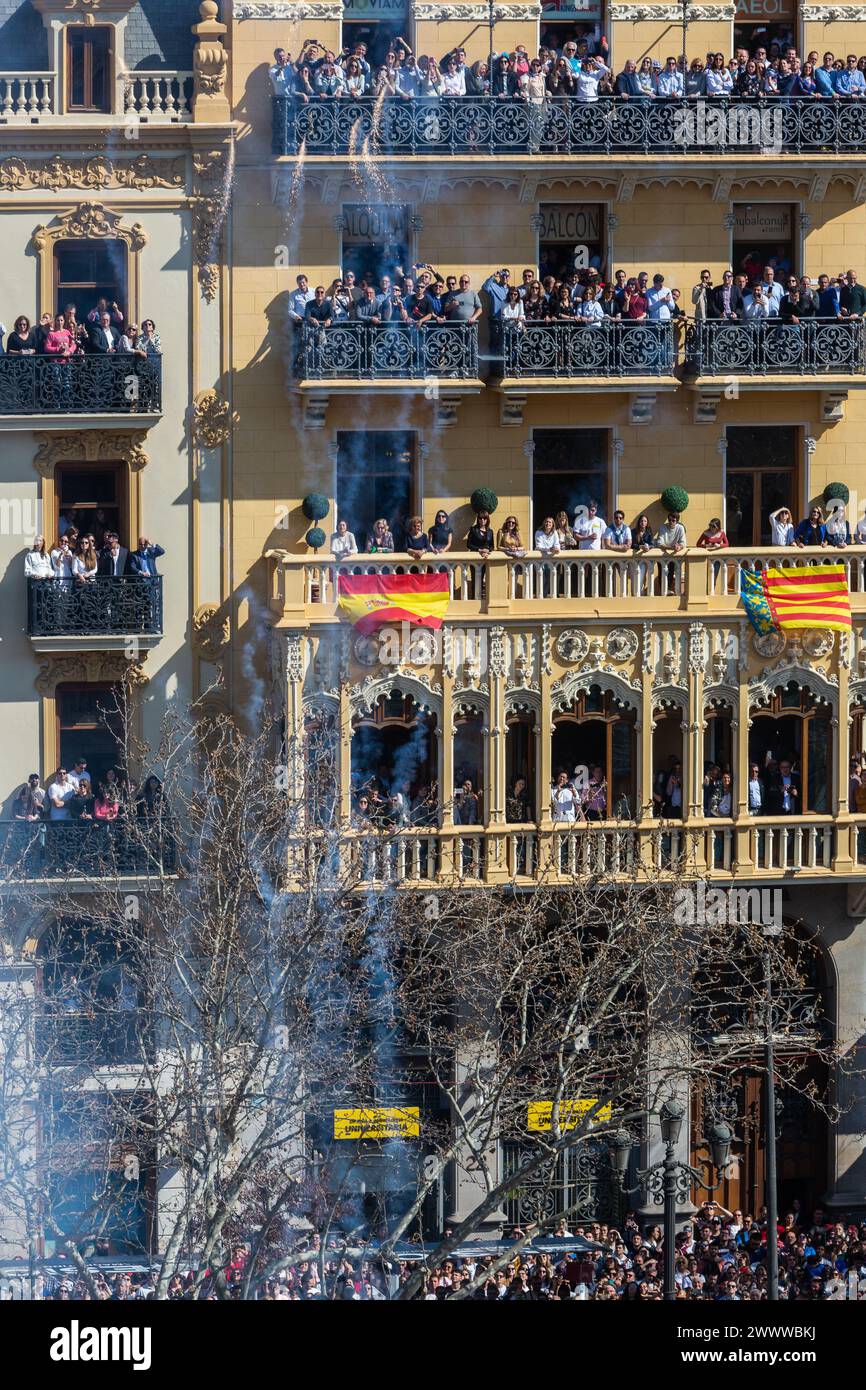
<point>570,71</point>
<point>102,330</point>
<point>721,1256</point>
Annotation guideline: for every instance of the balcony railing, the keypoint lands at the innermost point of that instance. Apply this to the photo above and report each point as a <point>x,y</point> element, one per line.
<point>501,583</point>
<point>158,97</point>
<point>102,1036</point>
<point>768,347</point>
<point>566,125</point>
<point>26,97</point>
<point>86,384</point>
<point>600,850</point>
<point>85,849</point>
<point>100,607</point>
<point>374,351</point>
<point>576,349</point>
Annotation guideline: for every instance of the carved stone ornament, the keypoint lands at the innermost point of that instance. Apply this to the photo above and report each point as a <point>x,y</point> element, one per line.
<point>58,173</point>
<point>636,14</point>
<point>210,205</point>
<point>284,9</point>
<point>89,446</point>
<point>366,651</point>
<point>89,221</point>
<point>817,642</point>
<point>572,644</point>
<point>209,632</point>
<point>475,12</point>
<point>768,644</point>
<point>209,59</point>
<point>89,667</point>
<point>210,420</point>
<point>621,644</point>
<point>832,14</point>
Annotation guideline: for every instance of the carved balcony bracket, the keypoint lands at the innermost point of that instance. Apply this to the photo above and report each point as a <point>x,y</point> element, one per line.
<point>641,407</point>
<point>89,667</point>
<point>209,632</point>
<point>210,421</point>
<point>316,410</point>
<point>707,404</point>
<point>511,407</point>
<point>446,410</point>
<point>210,205</point>
<point>833,406</point>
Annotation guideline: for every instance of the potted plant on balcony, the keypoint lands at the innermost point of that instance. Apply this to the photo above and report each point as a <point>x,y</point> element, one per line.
<point>484,499</point>
<point>675,499</point>
<point>315,507</point>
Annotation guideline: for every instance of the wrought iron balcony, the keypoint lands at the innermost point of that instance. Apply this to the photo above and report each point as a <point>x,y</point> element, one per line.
<point>89,383</point>
<point>101,607</point>
<point>575,349</point>
<point>566,125</point>
<point>83,849</point>
<point>101,1036</point>
<point>375,351</point>
<point>768,347</point>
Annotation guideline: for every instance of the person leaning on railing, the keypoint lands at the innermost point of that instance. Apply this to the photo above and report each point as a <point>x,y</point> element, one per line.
<point>37,562</point>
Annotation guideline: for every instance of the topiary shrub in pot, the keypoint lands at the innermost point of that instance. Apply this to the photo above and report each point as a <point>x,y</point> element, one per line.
<point>484,499</point>
<point>315,537</point>
<point>675,499</point>
<point>837,492</point>
<point>315,506</point>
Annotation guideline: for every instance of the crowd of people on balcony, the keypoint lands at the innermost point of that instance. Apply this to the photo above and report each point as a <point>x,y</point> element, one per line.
<point>421,297</point>
<point>71,798</point>
<point>558,536</point>
<point>572,71</point>
<point>102,331</point>
<point>85,555</point>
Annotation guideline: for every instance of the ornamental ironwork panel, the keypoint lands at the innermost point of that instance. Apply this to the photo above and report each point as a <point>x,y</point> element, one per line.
<point>103,606</point>
<point>813,347</point>
<point>105,1035</point>
<point>110,383</point>
<point>372,351</point>
<point>580,1180</point>
<point>568,125</point>
<point>86,849</point>
<point>606,348</point>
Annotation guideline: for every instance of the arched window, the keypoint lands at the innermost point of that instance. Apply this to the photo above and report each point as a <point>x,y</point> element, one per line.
<point>792,738</point>
<point>598,731</point>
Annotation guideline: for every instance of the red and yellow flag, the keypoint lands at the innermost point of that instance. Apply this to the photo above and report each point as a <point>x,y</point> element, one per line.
<point>808,596</point>
<point>372,600</point>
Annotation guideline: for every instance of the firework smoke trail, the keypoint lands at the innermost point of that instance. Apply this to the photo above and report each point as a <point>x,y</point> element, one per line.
<point>291,237</point>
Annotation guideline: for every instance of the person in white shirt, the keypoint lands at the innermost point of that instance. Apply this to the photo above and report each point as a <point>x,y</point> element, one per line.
<point>757,308</point>
<point>59,794</point>
<point>299,299</point>
<point>84,564</point>
<point>670,80</point>
<point>773,291</point>
<point>61,559</point>
<point>79,772</point>
<point>860,531</point>
<point>659,301</point>
<point>590,310</point>
<point>281,74</point>
<point>836,524</point>
<point>589,528</point>
<point>563,801</point>
<point>37,562</point>
<point>592,72</point>
<point>343,543</point>
<point>547,542</point>
<point>756,791</point>
<point>782,526</point>
<point>617,536</point>
<point>672,535</point>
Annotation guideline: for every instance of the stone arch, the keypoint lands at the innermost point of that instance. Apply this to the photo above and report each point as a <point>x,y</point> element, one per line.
<point>363,697</point>
<point>88,222</point>
<point>563,691</point>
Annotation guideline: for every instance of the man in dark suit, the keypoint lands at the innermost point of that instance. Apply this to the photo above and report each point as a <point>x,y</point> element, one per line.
<point>783,791</point>
<point>102,336</point>
<point>725,301</point>
<point>114,559</point>
<point>142,562</point>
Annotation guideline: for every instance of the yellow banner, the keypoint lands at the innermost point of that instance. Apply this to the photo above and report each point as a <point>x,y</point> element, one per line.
<point>539,1114</point>
<point>383,1123</point>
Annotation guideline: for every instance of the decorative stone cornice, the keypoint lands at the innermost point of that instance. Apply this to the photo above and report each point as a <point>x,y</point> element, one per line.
<point>57,173</point>
<point>210,205</point>
<point>89,667</point>
<point>87,221</point>
<point>210,420</point>
<point>474,12</point>
<point>635,14</point>
<point>832,14</point>
<point>285,9</point>
<point>91,446</point>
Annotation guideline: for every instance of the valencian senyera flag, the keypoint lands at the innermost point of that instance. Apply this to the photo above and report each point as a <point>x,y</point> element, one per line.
<point>780,600</point>
<point>372,600</point>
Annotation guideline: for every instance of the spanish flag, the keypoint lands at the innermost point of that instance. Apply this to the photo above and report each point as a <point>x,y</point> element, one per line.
<point>804,596</point>
<point>372,600</point>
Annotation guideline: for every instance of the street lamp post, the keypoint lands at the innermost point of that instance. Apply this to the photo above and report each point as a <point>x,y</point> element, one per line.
<point>685,22</point>
<point>670,1179</point>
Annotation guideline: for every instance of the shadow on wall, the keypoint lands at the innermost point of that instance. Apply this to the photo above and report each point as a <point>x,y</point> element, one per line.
<point>158,34</point>
<point>23,39</point>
